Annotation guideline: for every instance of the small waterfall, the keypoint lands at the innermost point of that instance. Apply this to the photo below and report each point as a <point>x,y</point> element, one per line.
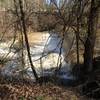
<point>44,56</point>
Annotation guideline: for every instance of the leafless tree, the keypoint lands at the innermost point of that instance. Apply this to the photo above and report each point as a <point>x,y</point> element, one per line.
<point>91,31</point>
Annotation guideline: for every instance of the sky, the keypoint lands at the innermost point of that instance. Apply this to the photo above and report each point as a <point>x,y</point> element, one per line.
<point>58,1</point>
<point>50,0</point>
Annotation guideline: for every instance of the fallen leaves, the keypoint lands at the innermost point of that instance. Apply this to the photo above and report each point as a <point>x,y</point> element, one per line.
<point>16,91</point>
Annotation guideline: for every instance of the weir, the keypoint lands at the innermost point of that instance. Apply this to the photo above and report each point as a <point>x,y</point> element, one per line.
<point>45,56</point>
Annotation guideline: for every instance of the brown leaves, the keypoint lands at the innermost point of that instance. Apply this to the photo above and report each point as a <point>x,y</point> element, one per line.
<point>35,92</point>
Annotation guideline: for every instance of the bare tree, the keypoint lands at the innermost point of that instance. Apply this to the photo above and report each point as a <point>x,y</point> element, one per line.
<point>26,38</point>
<point>23,24</point>
<point>91,31</point>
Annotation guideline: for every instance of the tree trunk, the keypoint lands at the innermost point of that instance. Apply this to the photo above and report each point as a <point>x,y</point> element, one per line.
<point>77,42</point>
<point>26,38</point>
<point>90,42</point>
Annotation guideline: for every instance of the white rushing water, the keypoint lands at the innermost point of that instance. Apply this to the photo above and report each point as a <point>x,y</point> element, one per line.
<point>48,50</point>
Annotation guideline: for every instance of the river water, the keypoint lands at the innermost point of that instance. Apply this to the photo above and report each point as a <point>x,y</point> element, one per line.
<point>45,57</point>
